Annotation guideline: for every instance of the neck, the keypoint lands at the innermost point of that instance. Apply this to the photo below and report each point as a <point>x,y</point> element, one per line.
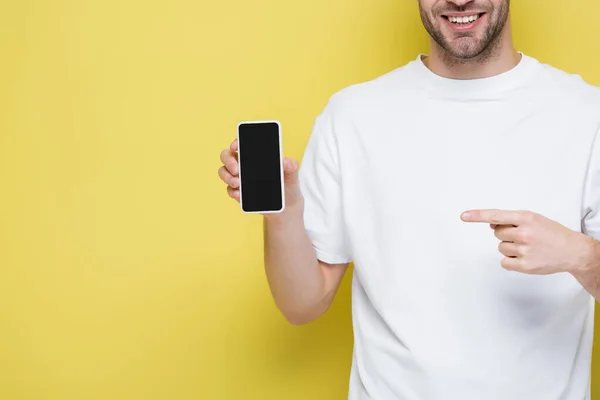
<point>498,58</point>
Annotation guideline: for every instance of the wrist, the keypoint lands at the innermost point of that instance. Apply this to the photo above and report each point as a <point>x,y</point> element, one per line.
<point>293,210</point>
<point>590,260</point>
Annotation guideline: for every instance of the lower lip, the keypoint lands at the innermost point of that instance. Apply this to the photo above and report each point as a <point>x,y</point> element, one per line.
<point>464,27</point>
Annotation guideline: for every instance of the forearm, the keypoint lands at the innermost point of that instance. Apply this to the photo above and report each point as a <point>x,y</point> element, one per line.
<point>589,273</point>
<point>295,278</point>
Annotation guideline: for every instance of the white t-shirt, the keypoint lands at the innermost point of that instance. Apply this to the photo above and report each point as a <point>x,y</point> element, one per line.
<point>390,166</point>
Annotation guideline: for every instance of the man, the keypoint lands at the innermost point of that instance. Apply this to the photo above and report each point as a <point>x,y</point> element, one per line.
<point>404,175</point>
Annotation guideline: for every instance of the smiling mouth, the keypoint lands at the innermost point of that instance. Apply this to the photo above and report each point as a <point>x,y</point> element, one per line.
<point>463,20</point>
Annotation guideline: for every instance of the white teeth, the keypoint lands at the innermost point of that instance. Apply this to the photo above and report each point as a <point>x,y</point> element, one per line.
<point>463,20</point>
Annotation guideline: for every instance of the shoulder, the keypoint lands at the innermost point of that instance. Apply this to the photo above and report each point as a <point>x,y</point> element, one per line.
<point>362,96</point>
<point>570,88</point>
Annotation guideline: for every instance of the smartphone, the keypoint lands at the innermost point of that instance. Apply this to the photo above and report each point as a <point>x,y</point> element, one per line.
<point>260,162</point>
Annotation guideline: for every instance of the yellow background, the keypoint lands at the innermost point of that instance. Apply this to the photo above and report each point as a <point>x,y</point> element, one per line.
<point>125,271</point>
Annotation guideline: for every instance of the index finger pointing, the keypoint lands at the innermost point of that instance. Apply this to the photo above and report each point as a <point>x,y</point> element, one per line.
<point>492,216</point>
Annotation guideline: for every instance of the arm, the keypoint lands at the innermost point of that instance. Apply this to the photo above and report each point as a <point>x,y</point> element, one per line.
<point>305,249</point>
<point>302,286</point>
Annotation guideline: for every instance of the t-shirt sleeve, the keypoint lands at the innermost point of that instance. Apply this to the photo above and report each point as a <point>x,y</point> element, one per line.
<point>320,183</point>
<point>591,221</point>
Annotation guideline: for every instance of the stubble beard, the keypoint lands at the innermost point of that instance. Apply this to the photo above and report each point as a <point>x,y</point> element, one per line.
<point>467,48</point>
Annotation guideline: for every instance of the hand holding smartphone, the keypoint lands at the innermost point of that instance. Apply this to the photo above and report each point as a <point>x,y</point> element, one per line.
<point>260,163</point>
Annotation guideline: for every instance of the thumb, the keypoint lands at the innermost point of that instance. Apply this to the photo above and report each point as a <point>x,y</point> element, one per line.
<point>290,171</point>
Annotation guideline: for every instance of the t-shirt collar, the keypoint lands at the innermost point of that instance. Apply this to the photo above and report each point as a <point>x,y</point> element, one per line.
<point>516,77</point>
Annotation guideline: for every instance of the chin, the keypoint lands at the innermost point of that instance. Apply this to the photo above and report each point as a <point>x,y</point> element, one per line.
<point>466,50</point>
